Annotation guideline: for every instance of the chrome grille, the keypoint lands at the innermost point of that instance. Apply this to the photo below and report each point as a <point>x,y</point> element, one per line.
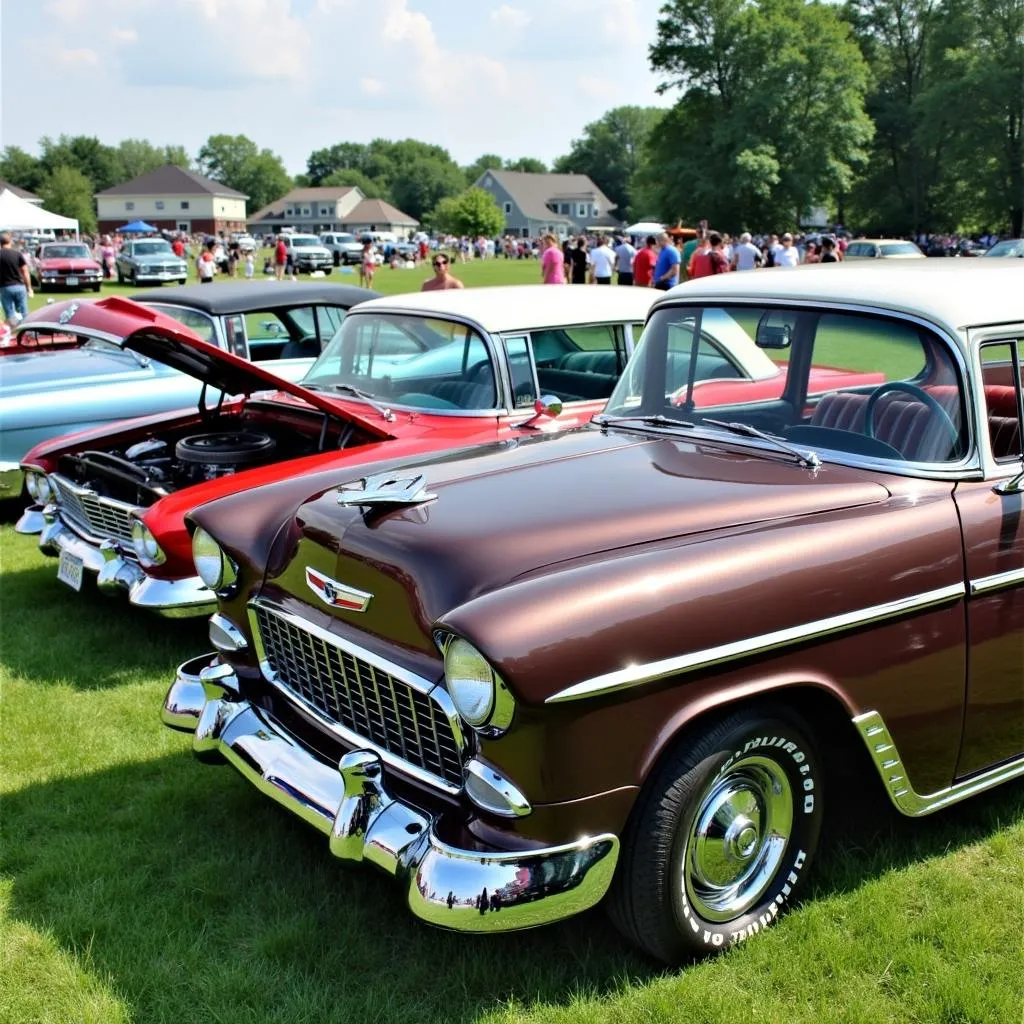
<point>98,516</point>
<point>396,717</point>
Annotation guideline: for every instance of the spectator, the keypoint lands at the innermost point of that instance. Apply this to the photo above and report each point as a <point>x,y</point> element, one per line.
<point>367,265</point>
<point>578,262</point>
<point>552,262</point>
<point>178,247</point>
<point>280,258</point>
<point>602,262</point>
<point>717,260</point>
<point>786,255</point>
<point>442,280</point>
<point>691,247</point>
<point>15,282</point>
<point>206,266</point>
<point>828,254</point>
<point>643,263</point>
<point>700,260</point>
<point>746,255</point>
<point>772,251</point>
<point>624,256</point>
<point>250,264</point>
<point>666,269</point>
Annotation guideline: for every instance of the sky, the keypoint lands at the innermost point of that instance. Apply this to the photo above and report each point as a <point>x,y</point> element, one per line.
<point>517,78</point>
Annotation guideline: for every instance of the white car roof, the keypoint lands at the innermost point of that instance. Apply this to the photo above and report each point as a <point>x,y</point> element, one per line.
<point>524,307</point>
<point>953,293</point>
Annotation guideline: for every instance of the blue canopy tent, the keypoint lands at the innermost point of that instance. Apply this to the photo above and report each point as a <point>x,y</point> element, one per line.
<point>137,227</point>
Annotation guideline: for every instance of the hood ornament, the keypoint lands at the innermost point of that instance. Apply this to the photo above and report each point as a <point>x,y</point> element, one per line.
<point>335,594</point>
<point>386,489</point>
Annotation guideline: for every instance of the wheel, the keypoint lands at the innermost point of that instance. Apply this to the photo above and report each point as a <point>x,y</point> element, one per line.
<point>133,279</point>
<point>120,276</point>
<point>722,837</point>
<point>95,287</point>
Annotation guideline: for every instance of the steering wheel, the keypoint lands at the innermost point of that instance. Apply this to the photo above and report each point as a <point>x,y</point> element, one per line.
<point>474,372</point>
<point>915,392</point>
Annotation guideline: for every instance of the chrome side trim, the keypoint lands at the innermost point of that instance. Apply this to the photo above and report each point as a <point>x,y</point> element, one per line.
<point>637,675</point>
<point>882,749</point>
<point>986,584</point>
<point>225,635</point>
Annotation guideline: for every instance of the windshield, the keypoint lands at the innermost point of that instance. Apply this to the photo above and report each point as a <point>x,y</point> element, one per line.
<point>900,249</point>
<point>1012,247</point>
<point>152,248</point>
<point>304,241</point>
<point>862,385</point>
<point>409,360</point>
<point>65,252</point>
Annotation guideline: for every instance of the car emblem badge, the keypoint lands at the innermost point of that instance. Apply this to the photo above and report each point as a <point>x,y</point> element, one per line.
<point>386,489</point>
<point>335,594</point>
<point>68,313</point>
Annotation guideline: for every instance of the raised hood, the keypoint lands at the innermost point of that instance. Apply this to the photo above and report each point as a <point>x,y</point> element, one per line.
<point>505,512</point>
<point>155,335</point>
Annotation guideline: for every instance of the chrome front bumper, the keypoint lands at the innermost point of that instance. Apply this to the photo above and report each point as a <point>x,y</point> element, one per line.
<point>116,574</point>
<point>11,480</point>
<point>31,520</point>
<point>470,890</point>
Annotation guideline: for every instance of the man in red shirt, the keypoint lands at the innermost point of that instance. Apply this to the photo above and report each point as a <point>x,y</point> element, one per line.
<point>280,258</point>
<point>643,263</point>
<point>700,261</point>
<point>178,248</point>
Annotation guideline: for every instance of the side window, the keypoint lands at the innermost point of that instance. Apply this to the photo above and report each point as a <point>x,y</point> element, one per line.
<point>234,328</point>
<point>886,349</point>
<point>329,319</point>
<point>289,334</point>
<point>520,368</point>
<point>1004,403</point>
<point>192,319</point>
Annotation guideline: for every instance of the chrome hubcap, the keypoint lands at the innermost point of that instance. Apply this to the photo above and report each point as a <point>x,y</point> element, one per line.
<point>738,838</point>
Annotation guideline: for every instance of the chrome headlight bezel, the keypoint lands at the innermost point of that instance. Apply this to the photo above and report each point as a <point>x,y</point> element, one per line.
<point>214,567</point>
<point>47,492</point>
<point>479,694</point>
<point>147,547</point>
<point>32,485</point>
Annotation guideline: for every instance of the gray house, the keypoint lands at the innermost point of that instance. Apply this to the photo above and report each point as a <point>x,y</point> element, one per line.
<point>563,204</point>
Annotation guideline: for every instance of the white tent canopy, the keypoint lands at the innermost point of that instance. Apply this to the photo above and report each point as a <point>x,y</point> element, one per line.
<point>18,215</point>
<point>645,227</point>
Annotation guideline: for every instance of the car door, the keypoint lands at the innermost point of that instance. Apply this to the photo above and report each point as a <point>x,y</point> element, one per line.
<point>992,516</point>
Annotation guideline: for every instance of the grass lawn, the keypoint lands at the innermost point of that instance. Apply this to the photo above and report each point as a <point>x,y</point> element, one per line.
<point>137,885</point>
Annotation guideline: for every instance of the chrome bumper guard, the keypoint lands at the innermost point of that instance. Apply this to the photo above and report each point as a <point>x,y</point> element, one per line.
<point>115,574</point>
<point>31,520</point>
<point>461,889</point>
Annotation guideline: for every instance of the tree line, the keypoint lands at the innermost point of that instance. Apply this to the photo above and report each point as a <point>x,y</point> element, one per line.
<point>896,116</point>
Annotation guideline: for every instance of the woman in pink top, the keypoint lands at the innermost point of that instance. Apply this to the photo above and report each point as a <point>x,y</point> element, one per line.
<point>552,262</point>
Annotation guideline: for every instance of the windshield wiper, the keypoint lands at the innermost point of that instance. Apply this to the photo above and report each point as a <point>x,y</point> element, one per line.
<point>809,459</point>
<point>350,389</point>
<point>658,420</point>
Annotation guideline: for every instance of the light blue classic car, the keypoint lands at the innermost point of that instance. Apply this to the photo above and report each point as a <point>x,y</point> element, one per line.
<point>150,259</point>
<point>59,390</point>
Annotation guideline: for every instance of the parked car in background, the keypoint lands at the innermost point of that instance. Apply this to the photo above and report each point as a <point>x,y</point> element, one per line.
<point>343,246</point>
<point>73,370</point>
<point>639,659</point>
<point>65,265</point>
<point>244,241</point>
<point>883,248</point>
<point>410,376</point>
<point>1009,247</point>
<point>149,260</point>
<point>308,253</point>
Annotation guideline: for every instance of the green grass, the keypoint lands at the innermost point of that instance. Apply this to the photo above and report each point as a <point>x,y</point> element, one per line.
<point>137,885</point>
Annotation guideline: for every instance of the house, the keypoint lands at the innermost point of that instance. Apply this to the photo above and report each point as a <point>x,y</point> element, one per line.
<point>174,199</point>
<point>325,208</point>
<point>535,204</point>
<point>21,193</point>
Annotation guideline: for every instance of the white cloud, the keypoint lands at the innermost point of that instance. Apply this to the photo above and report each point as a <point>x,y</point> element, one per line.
<point>510,19</point>
<point>371,86</point>
<point>124,36</point>
<point>76,58</point>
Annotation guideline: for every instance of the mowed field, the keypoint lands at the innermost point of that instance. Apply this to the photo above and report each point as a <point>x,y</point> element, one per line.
<point>138,885</point>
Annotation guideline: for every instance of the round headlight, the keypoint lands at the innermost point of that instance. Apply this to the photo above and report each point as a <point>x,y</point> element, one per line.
<point>470,682</point>
<point>32,486</point>
<point>147,550</point>
<point>215,569</point>
<point>45,490</point>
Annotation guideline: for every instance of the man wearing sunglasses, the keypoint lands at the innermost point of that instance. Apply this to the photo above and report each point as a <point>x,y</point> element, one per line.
<point>442,280</point>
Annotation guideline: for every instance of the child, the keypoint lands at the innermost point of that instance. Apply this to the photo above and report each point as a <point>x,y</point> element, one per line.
<point>206,267</point>
<point>250,265</point>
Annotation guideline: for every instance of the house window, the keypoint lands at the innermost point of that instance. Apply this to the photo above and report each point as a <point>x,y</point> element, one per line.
<point>593,210</point>
<point>159,204</point>
<point>129,206</point>
<point>508,207</point>
<point>565,208</point>
<point>184,204</point>
<point>305,211</point>
<point>325,211</point>
<point>582,209</point>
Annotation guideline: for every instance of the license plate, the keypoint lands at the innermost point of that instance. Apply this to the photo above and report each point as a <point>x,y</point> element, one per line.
<point>69,570</point>
<point>71,281</point>
<point>164,276</point>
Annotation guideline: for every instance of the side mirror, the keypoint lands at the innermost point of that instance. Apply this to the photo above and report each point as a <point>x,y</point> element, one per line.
<point>547,407</point>
<point>773,335</point>
<point>1015,485</point>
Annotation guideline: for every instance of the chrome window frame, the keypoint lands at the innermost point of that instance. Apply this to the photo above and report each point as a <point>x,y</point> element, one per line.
<point>977,338</point>
<point>218,329</point>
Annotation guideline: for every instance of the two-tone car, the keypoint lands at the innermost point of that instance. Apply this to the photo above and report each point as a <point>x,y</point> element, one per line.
<point>636,661</point>
<point>149,261</point>
<point>66,265</point>
<point>400,376</point>
<point>308,253</point>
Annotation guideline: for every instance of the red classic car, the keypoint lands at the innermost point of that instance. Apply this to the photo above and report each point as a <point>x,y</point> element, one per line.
<point>402,376</point>
<point>65,265</point>
<point>639,659</point>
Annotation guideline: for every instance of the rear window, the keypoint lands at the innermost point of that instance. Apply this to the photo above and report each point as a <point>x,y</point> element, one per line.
<point>900,249</point>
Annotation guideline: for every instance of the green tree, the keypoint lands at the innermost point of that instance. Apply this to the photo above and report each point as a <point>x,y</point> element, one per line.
<point>370,188</point>
<point>486,162</point>
<point>236,161</point>
<point>612,151</point>
<point>67,191</point>
<point>473,212</point>
<point>344,156</point>
<point>421,182</point>
<point>98,162</point>
<point>529,164</point>
<point>140,156</point>
<point>771,119</point>
<point>20,168</point>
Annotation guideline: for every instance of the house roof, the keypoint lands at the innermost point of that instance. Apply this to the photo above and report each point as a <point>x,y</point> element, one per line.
<point>171,180</point>
<point>532,192</point>
<point>21,193</point>
<point>376,211</point>
<point>314,194</point>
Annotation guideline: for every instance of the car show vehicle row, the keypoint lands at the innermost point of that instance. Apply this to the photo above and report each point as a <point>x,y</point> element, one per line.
<point>527,660</point>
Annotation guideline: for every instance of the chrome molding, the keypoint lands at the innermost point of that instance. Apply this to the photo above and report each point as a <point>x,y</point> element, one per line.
<point>225,635</point>
<point>491,791</point>
<point>637,675</point>
<point>986,584</point>
<point>882,749</point>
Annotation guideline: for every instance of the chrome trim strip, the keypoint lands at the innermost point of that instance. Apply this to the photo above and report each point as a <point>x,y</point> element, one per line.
<point>998,581</point>
<point>883,752</point>
<point>225,635</point>
<point>636,675</point>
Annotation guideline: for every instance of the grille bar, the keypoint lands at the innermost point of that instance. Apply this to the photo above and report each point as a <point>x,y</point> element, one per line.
<point>396,717</point>
<point>98,516</point>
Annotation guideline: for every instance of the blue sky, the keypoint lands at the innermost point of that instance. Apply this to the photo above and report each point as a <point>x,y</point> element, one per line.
<point>517,78</point>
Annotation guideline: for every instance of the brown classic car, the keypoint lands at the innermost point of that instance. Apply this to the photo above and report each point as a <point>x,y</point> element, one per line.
<point>637,660</point>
